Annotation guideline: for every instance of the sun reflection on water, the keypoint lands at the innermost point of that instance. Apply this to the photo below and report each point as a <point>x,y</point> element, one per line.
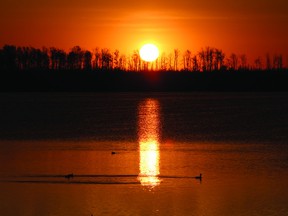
<point>148,134</point>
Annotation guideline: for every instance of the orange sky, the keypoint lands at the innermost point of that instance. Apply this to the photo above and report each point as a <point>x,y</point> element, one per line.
<point>253,27</point>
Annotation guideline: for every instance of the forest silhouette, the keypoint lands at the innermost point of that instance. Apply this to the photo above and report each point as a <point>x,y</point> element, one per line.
<point>53,69</point>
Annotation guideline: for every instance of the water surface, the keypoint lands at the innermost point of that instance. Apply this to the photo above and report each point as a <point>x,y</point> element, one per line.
<point>161,141</point>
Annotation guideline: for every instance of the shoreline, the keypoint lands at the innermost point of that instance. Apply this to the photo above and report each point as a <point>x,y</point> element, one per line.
<point>149,81</point>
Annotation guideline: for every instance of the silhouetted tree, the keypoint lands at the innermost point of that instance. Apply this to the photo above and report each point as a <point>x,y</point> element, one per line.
<point>130,65</point>
<point>75,58</point>
<point>170,64</point>
<point>21,65</point>
<point>206,58</point>
<point>54,58</point>
<point>195,63</point>
<point>187,60</point>
<point>258,63</point>
<point>58,59</point>
<point>157,64</point>
<point>202,58</point>
<point>116,59</point>
<point>268,62</point>
<point>233,61</point>
<point>136,60</point>
<point>87,60</point>
<point>209,58</point>
<point>243,62</point>
<point>32,58</point>
<point>219,59</point>
<point>9,57</point>
<point>97,60</point>
<point>1,59</point>
<point>176,56</point>
<point>122,62</point>
<point>163,62</point>
<point>106,59</point>
<point>45,60</point>
<point>278,62</point>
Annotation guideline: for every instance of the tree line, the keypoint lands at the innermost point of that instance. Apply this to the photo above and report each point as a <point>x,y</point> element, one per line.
<point>13,58</point>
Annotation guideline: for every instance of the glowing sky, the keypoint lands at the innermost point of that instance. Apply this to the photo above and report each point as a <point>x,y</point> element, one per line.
<point>253,27</point>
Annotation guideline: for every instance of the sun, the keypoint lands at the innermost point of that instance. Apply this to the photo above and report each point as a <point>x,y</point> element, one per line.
<point>149,52</point>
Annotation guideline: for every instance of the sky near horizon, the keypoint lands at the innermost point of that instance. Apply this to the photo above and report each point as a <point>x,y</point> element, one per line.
<point>251,27</point>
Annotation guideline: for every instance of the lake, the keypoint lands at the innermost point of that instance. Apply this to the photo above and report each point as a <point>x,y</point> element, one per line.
<point>143,153</point>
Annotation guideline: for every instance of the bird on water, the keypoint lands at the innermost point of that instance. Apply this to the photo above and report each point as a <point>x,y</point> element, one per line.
<point>71,175</point>
<point>199,177</point>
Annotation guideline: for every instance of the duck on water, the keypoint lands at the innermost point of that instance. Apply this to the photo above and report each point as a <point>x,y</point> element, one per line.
<point>68,176</point>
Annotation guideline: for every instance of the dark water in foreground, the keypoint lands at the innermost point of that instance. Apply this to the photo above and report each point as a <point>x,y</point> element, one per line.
<point>238,141</point>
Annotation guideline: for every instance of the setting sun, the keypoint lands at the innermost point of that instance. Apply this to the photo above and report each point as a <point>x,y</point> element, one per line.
<point>149,52</point>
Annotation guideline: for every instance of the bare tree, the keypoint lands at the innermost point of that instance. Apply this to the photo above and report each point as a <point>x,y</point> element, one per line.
<point>243,61</point>
<point>234,61</point>
<point>97,60</point>
<point>170,58</point>
<point>116,59</point>
<point>106,59</point>
<point>136,60</point>
<point>209,58</point>
<point>268,62</point>
<point>187,60</point>
<point>163,62</point>
<point>75,58</point>
<point>195,63</point>
<point>258,63</point>
<point>202,58</point>
<point>176,56</point>
<point>219,59</point>
<point>278,62</point>
<point>9,57</point>
<point>87,60</point>
<point>58,58</point>
<point>157,64</point>
<point>206,58</point>
<point>123,62</point>
<point>45,58</point>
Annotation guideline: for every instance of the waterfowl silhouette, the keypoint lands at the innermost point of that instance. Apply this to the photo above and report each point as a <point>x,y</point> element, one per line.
<point>71,175</point>
<point>113,152</point>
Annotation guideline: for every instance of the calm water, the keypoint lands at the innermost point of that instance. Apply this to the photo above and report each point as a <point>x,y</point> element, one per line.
<point>238,141</point>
